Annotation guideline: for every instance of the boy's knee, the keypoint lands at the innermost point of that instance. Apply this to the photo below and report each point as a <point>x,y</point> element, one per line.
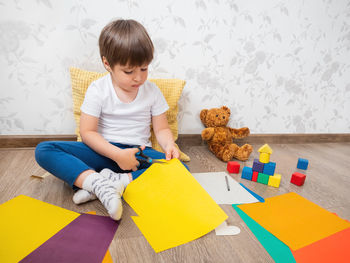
<point>41,148</point>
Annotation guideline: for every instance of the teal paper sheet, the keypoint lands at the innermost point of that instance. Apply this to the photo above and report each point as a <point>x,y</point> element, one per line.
<point>279,251</point>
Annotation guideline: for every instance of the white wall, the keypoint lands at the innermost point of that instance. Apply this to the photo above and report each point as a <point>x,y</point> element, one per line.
<point>281,66</point>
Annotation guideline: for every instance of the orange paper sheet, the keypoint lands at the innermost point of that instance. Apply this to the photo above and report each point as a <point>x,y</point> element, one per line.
<point>335,248</point>
<point>295,220</point>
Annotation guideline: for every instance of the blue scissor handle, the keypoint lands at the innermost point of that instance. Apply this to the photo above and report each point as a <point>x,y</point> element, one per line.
<point>144,159</point>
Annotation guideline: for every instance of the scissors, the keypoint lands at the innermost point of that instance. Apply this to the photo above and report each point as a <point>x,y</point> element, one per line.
<point>145,158</point>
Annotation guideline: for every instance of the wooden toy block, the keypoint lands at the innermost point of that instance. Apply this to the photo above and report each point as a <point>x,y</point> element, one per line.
<point>264,157</point>
<point>247,173</point>
<point>233,167</point>
<point>263,178</point>
<point>275,180</point>
<point>258,166</point>
<point>265,149</point>
<point>302,163</point>
<point>298,178</point>
<point>269,168</point>
<point>255,176</point>
<point>265,152</point>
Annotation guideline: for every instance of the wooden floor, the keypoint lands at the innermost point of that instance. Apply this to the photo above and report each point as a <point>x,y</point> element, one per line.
<point>327,184</point>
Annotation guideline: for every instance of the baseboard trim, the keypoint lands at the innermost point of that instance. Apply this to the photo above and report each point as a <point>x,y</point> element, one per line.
<point>22,141</point>
<point>195,139</point>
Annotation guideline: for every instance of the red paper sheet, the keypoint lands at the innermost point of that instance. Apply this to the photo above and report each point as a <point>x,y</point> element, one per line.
<point>335,248</point>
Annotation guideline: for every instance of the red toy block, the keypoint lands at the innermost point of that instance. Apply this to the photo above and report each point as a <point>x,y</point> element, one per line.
<point>255,176</point>
<point>298,178</point>
<point>233,167</point>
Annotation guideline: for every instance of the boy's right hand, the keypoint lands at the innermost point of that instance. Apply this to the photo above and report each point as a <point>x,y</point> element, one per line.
<point>127,160</point>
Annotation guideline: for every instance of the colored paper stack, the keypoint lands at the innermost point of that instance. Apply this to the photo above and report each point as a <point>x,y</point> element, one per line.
<point>263,171</point>
<point>35,231</point>
<point>294,229</point>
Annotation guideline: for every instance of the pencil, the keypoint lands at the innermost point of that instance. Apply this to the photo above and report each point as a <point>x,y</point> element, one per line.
<point>228,186</point>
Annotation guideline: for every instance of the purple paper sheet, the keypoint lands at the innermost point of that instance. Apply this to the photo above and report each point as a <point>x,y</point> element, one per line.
<point>85,239</point>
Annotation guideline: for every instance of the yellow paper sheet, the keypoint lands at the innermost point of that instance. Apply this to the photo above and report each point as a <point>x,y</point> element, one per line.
<point>295,220</point>
<point>172,207</point>
<point>26,223</point>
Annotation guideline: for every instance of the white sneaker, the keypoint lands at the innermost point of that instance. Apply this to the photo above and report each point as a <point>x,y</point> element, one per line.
<point>108,192</point>
<point>82,196</point>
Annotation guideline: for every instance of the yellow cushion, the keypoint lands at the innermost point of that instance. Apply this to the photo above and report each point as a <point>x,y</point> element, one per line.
<point>171,89</point>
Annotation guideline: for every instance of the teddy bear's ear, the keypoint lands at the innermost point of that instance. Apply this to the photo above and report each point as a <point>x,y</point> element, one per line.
<point>203,115</point>
<point>226,109</point>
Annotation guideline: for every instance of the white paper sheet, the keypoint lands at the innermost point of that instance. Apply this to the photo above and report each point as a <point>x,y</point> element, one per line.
<point>215,185</point>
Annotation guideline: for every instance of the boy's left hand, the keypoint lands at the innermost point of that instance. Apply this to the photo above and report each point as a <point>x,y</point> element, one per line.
<point>171,152</point>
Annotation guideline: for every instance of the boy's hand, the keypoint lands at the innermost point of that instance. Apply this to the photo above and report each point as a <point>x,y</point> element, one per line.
<point>127,160</point>
<point>171,152</point>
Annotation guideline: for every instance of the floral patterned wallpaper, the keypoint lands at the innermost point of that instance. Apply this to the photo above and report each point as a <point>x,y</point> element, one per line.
<point>280,66</point>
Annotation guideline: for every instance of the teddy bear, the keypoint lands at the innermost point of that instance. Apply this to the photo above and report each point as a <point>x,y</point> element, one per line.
<point>220,137</point>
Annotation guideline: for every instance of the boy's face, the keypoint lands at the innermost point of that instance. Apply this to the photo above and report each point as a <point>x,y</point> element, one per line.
<point>129,78</point>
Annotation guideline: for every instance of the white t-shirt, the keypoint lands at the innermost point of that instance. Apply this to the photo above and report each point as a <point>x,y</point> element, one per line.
<point>127,123</point>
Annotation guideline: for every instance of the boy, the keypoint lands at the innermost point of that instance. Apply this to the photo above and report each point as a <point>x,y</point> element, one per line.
<point>117,112</point>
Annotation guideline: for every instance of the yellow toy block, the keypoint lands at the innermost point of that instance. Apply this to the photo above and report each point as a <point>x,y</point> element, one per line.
<point>275,180</point>
<point>265,149</point>
<point>265,152</point>
<point>264,158</point>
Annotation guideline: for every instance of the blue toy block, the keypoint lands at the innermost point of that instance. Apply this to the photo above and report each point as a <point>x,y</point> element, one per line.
<point>258,166</point>
<point>247,173</point>
<point>302,164</point>
<point>269,168</point>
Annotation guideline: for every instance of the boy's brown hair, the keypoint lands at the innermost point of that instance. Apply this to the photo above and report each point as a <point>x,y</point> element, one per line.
<point>126,42</point>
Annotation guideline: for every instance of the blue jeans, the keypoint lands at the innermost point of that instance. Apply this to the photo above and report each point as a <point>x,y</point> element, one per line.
<point>68,159</point>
